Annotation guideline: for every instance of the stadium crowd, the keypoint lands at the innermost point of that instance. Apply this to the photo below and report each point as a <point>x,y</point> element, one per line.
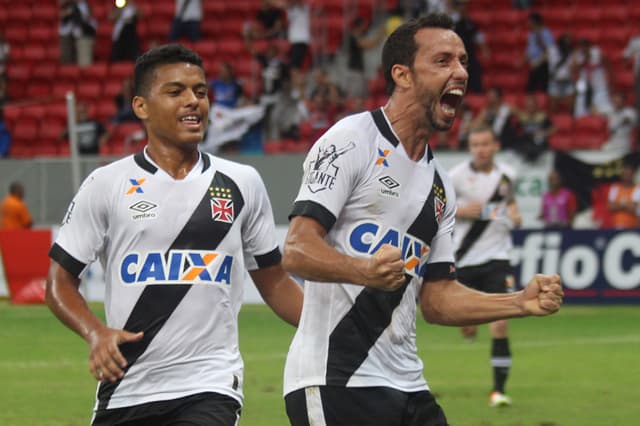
<point>545,77</point>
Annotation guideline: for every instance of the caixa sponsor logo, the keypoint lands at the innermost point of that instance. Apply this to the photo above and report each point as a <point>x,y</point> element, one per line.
<point>582,258</point>
<point>178,267</point>
<point>368,237</point>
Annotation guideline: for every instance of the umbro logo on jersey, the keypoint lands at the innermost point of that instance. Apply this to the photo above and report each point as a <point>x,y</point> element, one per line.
<point>382,157</point>
<point>178,267</point>
<point>368,237</point>
<point>322,171</point>
<point>136,186</point>
<point>389,184</point>
<point>143,210</point>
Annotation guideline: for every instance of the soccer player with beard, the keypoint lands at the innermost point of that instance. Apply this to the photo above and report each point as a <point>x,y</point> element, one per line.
<point>176,231</point>
<point>371,234</point>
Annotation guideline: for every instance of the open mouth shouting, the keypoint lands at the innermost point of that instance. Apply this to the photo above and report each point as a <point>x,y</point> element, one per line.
<point>450,101</point>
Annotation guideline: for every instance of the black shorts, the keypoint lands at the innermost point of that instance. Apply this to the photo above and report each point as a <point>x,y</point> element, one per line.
<point>202,409</point>
<point>495,276</point>
<point>371,406</point>
<point>297,54</point>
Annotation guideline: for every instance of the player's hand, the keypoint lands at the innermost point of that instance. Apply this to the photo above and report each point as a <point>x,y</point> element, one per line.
<point>542,295</point>
<point>385,269</point>
<point>514,215</point>
<point>473,210</point>
<point>106,362</point>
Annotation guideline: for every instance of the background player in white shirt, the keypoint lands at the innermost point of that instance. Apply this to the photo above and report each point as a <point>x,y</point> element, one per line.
<point>371,234</point>
<point>176,231</point>
<point>487,211</point>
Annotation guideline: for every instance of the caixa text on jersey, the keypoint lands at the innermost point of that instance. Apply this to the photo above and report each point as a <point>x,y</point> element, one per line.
<point>176,267</point>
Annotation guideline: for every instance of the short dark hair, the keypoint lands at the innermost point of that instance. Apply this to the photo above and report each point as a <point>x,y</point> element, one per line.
<point>400,47</point>
<point>15,188</point>
<point>147,63</point>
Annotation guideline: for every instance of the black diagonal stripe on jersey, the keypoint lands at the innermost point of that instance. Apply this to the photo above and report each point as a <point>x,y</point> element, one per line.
<point>355,334</point>
<point>157,302</point>
<point>480,225</point>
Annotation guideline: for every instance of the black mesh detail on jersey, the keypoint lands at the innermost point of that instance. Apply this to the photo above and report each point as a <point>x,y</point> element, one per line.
<point>385,130</point>
<point>383,126</point>
<point>68,262</point>
<point>206,161</point>
<point>480,225</point>
<point>157,302</point>
<point>371,313</point>
<point>269,259</point>
<point>142,161</point>
<point>315,211</point>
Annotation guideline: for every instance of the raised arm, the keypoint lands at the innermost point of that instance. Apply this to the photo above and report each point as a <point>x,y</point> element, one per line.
<point>307,254</point>
<point>447,302</point>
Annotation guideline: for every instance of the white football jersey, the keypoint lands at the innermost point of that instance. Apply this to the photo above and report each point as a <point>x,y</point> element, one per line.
<point>175,255</point>
<point>488,238</point>
<point>362,187</point>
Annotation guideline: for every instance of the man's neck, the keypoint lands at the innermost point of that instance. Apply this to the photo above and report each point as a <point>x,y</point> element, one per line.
<point>405,122</point>
<point>176,162</point>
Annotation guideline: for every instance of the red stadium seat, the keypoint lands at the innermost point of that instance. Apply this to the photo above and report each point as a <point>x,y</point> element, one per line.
<point>590,131</point>
<point>20,13</point>
<point>45,72</point>
<point>38,89</point>
<point>95,72</point>
<point>33,112</point>
<point>45,12</point>
<point>68,73</point>
<point>34,53</point>
<point>18,73</point>
<point>89,91</point>
<point>121,70</point>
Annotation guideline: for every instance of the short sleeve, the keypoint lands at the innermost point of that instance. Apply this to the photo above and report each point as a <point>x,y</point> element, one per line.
<point>84,227</point>
<point>258,230</point>
<point>441,261</point>
<point>332,170</point>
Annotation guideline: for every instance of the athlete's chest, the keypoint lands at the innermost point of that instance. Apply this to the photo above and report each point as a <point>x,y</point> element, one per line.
<point>157,210</point>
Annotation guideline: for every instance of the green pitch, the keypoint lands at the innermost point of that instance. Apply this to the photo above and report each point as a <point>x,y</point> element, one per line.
<point>578,368</point>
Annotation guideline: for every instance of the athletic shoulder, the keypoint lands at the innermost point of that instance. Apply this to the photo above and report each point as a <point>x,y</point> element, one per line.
<point>243,175</point>
<point>507,170</point>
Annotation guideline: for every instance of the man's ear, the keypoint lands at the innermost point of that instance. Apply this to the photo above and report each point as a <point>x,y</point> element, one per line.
<point>401,76</point>
<point>139,105</point>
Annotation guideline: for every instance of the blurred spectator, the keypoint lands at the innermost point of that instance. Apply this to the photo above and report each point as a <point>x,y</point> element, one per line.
<point>5,136</point>
<point>622,121</point>
<point>124,109</point>
<point>91,133</point>
<point>624,199</point>
<point>4,54</point>
<point>561,86</point>
<point>539,40</point>
<point>125,43</point>
<point>268,23</point>
<point>317,116</point>
<point>559,204</point>
<point>287,114</point>
<point>3,90</point>
<point>498,115</point>
<point>15,213</point>
<point>274,71</point>
<point>226,90</point>
<point>472,38</point>
<point>299,35</point>
<point>592,80</point>
<point>87,35</point>
<point>535,128</point>
<point>77,30</point>
<point>358,42</point>
<point>632,53</point>
<point>424,7</point>
<point>186,22</point>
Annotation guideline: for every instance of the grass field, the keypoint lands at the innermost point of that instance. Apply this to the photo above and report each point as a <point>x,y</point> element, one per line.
<point>578,368</point>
